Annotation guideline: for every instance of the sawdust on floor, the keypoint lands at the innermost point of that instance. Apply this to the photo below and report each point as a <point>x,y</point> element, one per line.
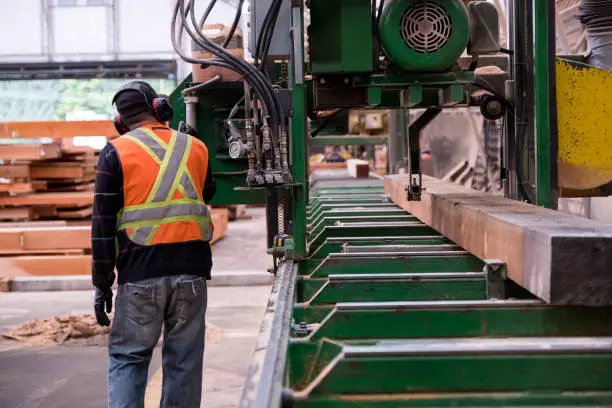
<point>80,330</point>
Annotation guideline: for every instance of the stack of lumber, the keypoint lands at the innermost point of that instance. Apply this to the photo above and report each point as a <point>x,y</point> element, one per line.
<point>46,180</point>
<point>44,248</point>
<point>55,248</point>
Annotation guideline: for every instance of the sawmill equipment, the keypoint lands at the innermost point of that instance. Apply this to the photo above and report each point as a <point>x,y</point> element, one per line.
<point>407,291</point>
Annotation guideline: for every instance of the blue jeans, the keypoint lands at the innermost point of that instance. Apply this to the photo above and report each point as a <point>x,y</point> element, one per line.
<point>177,303</point>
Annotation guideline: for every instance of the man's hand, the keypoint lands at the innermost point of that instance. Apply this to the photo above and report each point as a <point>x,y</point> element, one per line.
<point>188,130</point>
<point>103,297</point>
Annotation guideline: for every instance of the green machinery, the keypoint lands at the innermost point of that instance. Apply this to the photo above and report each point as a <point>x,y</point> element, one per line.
<point>370,307</point>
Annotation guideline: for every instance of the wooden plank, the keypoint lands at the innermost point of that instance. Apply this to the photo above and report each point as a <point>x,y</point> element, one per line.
<point>37,151</point>
<point>75,214</point>
<point>220,217</point>
<point>42,252</point>
<point>15,171</point>
<point>559,257</point>
<point>44,211</point>
<point>71,187</point>
<point>45,238</point>
<point>46,265</point>
<point>56,172</point>
<point>20,213</point>
<point>33,224</point>
<point>77,198</point>
<point>57,129</point>
<point>34,185</point>
<point>358,168</point>
<point>69,147</point>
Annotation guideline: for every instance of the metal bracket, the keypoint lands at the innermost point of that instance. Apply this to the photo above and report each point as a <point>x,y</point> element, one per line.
<point>497,275</point>
<point>415,188</point>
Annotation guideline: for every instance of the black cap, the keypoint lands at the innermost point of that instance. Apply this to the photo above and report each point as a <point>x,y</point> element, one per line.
<point>133,99</point>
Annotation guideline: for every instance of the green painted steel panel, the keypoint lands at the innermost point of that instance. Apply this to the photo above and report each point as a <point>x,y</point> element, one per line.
<point>485,322</point>
<point>340,36</point>
<point>212,110</point>
<point>457,373</point>
<point>331,221</point>
<point>332,245</point>
<point>373,230</point>
<point>397,264</point>
<point>502,399</point>
<point>414,290</point>
<point>357,213</point>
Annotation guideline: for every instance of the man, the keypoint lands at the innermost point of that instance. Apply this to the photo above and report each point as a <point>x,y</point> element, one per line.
<point>151,223</point>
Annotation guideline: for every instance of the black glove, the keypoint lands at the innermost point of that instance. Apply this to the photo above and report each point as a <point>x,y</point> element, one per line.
<point>103,297</point>
<point>188,130</point>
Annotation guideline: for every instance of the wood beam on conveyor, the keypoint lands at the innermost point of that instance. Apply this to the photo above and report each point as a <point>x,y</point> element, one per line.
<point>560,258</point>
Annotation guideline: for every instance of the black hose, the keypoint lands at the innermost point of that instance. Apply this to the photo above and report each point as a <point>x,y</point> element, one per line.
<point>381,5</point>
<point>235,63</point>
<point>262,86</point>
<point>267,31</point>
<point>252,76</point>
<point>211,5</point>
<point>177,44</point>
<point>260,83</point>
<point>262,32</point>
<point>234,24</point>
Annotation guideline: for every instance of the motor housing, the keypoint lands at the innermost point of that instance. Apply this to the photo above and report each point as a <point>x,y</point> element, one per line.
<point>424,35</point>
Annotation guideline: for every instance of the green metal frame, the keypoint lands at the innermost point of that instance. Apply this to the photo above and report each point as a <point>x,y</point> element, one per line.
<point>545,103</point>
<point>363,284</point>
<point>299,136</point>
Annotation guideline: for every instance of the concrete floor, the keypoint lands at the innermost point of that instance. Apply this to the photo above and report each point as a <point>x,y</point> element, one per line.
<point>75,376</point>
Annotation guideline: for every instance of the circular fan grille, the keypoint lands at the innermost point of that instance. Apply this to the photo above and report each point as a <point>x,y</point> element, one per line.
<point>426,26</point>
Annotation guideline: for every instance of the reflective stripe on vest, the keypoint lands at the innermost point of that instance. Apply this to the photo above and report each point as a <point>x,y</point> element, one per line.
<point>173,174</point>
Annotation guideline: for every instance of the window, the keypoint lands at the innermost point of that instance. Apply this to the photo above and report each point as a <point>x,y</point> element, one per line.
<point>66,2</point>
<point>96,2</point>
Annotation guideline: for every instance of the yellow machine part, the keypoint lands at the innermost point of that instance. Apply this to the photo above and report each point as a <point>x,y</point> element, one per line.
<point>584,103</point>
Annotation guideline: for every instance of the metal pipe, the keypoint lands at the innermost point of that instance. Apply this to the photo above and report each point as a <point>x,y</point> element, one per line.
<point>251,150</point>
<point>201,85</point>
<point>443,304</point>
<point>190,110</point>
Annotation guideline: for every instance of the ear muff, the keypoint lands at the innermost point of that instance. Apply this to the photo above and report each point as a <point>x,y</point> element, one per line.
<point>157,104</point>
<point>119,125</point>
<point>162,109</point>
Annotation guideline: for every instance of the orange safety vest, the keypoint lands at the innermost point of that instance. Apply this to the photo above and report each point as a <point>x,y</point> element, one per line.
<point>163,180</point>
